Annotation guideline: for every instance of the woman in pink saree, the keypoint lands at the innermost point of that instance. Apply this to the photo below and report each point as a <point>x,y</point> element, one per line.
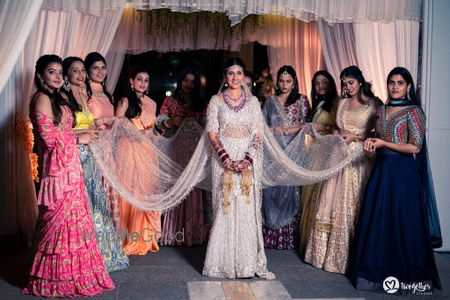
<point>68,261</point>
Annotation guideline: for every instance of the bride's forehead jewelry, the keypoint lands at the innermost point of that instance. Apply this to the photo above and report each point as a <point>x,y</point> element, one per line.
<point>234,66</point>
<point>285,73</point>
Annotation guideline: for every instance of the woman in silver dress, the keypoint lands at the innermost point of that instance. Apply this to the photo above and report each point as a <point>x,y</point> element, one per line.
<point>235,127</point>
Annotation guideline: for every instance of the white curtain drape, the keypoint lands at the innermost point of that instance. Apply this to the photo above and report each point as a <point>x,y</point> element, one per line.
<point>163,31</point>
<point>97,8</point>
<point>65,33</point>
<point>296,43</point>
<point>381,46</point>
<point>338,47</point>
<point>176,31</point>
<point>332,11</point>
<point>16,20</point>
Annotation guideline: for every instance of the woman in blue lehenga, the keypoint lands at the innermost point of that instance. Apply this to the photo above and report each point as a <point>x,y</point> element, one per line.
<point>394,233</point>
<point>285,113</point>
<point>108,239</point>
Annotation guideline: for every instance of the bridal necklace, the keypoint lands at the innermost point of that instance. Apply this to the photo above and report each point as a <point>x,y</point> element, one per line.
<point>235,104</point>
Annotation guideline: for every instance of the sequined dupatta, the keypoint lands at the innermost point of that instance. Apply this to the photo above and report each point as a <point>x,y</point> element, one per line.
<point>426,178</point>
<point>279,111</point>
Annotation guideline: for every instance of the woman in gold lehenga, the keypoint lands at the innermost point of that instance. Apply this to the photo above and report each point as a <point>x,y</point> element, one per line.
<point>323,114</point>
<point>337,206</point>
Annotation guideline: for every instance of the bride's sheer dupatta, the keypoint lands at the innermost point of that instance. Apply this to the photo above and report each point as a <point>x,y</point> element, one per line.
<point>154,161</point>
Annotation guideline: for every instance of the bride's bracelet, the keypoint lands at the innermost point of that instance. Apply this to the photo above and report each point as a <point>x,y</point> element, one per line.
<point>248,158</point>
<point>223,155</point>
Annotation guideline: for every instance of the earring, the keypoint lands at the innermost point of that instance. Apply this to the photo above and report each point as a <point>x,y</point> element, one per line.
<point>407,95</point>
<point>132,88</point>
<point>41,81</point>
<point>66,84</point>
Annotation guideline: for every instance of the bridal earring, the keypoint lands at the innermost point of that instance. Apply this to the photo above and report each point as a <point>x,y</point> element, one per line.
<point>42,82</point>
<point>66,84</point>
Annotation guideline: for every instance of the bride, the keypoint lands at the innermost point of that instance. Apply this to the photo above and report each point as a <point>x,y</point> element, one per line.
<point>235,128</point>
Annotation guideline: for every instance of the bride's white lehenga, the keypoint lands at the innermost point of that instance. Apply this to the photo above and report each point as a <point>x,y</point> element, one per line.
<point>235,247</point>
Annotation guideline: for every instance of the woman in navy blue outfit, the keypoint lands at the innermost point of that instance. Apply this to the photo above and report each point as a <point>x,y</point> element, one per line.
<point>393,236</point>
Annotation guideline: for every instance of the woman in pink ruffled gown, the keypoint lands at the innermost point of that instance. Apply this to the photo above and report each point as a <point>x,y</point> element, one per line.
<point>68,261</point>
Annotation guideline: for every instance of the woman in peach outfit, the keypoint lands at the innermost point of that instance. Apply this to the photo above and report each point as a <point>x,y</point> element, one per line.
<point>142,228</point>
<point>100,104</point>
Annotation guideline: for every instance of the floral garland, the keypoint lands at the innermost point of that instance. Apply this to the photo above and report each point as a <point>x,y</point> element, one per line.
<point>23,131</point>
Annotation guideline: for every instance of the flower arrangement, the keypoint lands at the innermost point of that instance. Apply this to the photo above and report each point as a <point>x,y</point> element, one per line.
<point>23,131</point>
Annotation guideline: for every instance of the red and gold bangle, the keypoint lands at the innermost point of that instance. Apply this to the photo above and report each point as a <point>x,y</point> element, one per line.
<point>248,157</point>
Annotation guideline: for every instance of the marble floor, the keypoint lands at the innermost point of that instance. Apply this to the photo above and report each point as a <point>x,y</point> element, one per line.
<point>175,273</point>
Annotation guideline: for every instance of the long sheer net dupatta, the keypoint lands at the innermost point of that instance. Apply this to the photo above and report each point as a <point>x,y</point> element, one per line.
<point>309,158</point>
<point>158,182</point>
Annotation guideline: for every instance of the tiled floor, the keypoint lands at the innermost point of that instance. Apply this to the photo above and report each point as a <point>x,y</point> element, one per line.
<point>175,273</point>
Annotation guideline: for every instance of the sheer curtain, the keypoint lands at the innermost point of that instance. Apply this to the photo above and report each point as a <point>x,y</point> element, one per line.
<point>164,31</point>
<point>65,33</point>
<point>338,47</point>
<point>16,20</point>
<point>167,31</point>
<point>332,11</point>
<point>381,46</point>
<point>296,43</point>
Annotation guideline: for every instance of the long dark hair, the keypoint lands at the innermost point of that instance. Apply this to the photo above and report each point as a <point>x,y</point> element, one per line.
<point>294,95</point>
<point>233,61</point>
<point>91,59</point>
<point>409,80</point>
<point>134,102</point>
<point>66,63</point>
<point>197,94</point>
<point>331,95</point>
<point>356,73</point>
<point>56,99</point>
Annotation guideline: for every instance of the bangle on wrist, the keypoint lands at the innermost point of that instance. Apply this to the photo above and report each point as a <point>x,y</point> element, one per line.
<point>248,158</point>
<point>166,123</point>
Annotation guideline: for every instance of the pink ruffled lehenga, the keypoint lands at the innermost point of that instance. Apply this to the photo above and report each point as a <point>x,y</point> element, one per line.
<point>68,261</point>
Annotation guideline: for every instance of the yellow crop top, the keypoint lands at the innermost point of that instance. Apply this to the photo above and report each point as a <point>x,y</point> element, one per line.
<point>82,120</point>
